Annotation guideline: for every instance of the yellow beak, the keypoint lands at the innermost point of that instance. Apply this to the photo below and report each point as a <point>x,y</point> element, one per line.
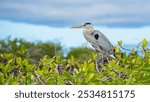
<point>77,26</point>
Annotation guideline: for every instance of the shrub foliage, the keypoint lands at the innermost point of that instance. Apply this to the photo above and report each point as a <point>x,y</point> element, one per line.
<point>24,63</point>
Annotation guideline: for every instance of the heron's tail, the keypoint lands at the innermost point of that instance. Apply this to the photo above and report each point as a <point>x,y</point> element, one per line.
<point>112,56</point>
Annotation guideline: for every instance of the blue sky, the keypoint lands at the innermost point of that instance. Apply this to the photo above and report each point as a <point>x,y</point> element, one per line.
<point>126,20</point>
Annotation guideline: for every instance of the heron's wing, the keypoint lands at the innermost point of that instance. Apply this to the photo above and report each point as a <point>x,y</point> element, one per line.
<point>102,41</point>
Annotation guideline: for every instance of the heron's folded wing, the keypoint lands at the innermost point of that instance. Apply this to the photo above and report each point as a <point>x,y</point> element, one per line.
<point>102,40</point>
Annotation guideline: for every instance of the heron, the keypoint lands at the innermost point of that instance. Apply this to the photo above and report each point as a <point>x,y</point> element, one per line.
<point>98,40</point>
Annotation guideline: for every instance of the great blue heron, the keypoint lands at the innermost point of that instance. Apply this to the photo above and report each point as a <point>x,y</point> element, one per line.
<point>97,39</point>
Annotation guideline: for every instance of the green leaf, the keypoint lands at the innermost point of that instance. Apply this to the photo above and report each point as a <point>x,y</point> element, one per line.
<point>79,75</point>
<point>25,62</point>
<point>1,78</point>
<point>1,55</point>
<point>120,43</point>
<point>2,67</point>
<point>91,66</point>
<point>72,59</point>
<point>58,59</point>
<point>133,51</point>
<point>68,76</point>
<point>22,50</point>
<point>8,79</point>
<point>117,50</point>
<point>144,43</point>
<point>19,61</point>
<point>91,76</point>
<point>6,68</point>
<point>8,55</point>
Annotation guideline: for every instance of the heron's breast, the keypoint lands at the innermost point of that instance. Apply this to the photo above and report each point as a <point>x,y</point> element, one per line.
<point>88,37</point>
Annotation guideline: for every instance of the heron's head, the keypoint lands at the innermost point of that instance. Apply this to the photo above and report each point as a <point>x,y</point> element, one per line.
<point>85,26</point>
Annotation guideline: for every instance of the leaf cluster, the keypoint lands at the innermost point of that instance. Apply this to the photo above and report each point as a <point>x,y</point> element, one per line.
<point>18,68</point>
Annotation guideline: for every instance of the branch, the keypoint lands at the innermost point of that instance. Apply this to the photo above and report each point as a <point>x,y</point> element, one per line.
<point>138,46</point>
<point>125,48</point>
<point>39,78</point>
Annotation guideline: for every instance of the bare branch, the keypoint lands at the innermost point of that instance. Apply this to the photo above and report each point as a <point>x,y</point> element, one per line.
<point>138,46</point>
<point>125,48</point>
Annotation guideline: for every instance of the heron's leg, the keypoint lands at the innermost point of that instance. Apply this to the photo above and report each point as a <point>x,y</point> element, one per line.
<point>97,62</point>
<point>106,55</point>
<point>103,56</point>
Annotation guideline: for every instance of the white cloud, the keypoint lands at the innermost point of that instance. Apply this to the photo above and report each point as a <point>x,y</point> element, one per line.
<point>105,12</point>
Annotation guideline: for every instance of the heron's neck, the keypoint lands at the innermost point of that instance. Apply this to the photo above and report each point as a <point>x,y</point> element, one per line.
<point>88,30</point>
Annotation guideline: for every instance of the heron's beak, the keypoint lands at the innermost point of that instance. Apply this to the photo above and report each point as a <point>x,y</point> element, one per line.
<point>77,26</point>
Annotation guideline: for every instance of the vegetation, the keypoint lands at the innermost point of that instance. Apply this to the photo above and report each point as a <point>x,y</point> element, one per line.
<point>25,63</point>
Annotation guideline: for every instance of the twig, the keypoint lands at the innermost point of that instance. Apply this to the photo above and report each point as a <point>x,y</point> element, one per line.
<point>130,49</point>
<point>138,46</point>
<point>115,72</point>
<point>39,78</point>
<point>125,48</point>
